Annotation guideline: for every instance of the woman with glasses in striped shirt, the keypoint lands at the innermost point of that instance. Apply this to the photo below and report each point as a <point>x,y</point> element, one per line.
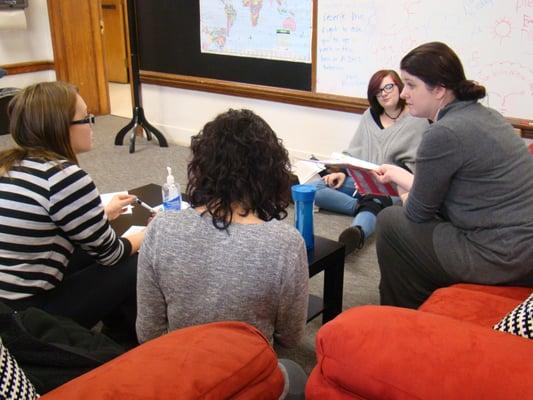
<point>57,249</point>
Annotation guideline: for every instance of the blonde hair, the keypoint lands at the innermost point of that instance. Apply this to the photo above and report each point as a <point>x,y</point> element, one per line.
<point>40,117</point>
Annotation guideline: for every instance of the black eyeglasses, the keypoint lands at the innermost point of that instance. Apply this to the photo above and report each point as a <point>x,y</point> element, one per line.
<point>89,119</point>
<point>385,89</point>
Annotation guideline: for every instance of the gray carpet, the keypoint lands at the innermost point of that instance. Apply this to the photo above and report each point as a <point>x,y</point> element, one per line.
<point>113,168</point>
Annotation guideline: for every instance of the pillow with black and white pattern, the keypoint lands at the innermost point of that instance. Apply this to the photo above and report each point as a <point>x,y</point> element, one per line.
<point>519,321</point>
<point>14,385</point>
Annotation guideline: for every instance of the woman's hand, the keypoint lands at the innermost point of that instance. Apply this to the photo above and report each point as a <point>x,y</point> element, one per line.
<point>136,240</point>
<point>335,180</point>
<point>387,173</point>
<point>117,205</point>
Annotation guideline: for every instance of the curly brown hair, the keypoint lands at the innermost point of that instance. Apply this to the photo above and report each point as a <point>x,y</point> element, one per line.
<point>237,159</point>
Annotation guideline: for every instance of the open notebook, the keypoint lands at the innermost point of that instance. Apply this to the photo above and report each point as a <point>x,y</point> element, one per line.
<point>360,171</point>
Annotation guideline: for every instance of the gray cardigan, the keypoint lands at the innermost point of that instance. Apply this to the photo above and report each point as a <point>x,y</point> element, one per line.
<point>396,144</point>
<point>475,171</point>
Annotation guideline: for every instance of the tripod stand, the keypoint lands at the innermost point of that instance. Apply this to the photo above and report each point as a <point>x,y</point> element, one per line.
<point>138,122</point>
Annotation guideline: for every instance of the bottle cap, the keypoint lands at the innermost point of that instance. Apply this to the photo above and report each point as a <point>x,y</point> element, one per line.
<point>170,177</point>
<point>303,193</point>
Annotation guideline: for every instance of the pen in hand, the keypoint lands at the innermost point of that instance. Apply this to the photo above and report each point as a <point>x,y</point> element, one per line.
<point>143,204</point>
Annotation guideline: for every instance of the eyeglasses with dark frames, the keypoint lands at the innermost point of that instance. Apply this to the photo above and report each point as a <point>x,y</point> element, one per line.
<point>89,119</point>
<point>385,89</point>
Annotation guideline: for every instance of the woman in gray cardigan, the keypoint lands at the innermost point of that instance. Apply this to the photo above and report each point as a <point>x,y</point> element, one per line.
<point>468,213</point>
<point>386,134</point>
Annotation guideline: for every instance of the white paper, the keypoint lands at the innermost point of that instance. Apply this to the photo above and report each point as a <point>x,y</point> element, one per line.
<point>344,160</point>
<point>133,229</point>
<point>106,198</point>
<point>184,206</point>
<point>307,171</point>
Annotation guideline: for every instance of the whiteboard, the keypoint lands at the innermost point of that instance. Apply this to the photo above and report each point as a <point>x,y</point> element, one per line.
<point>493,39</point>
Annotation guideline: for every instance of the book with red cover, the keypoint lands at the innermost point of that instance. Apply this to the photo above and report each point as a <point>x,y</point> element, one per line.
<point>360,171</point>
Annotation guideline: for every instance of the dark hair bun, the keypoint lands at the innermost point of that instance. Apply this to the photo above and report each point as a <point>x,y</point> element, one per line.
<point>469,90</point>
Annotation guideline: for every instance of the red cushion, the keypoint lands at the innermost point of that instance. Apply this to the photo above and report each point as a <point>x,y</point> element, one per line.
<point>211,361</point>
<point>379,352</point>
<point>511,292</point>
<point>478,304</point>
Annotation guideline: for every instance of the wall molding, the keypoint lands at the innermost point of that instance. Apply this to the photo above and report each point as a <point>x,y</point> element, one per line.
<point>298,97</point>
<point>291,96</point>
<point>28,67</point>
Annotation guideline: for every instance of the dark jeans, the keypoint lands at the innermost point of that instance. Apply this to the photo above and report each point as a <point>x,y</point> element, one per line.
<point>91,292</point>
<point>410,269</point>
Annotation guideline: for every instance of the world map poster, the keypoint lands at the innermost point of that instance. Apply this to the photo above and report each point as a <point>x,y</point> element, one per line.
<point>270,29</point>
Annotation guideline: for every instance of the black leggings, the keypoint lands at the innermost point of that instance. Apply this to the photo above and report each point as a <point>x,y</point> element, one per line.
<point>91,292</point>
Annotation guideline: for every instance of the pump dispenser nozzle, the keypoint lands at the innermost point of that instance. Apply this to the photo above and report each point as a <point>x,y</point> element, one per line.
<point>170,177</point>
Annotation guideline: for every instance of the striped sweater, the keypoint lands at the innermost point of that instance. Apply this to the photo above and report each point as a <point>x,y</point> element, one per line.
<point>45,210</point>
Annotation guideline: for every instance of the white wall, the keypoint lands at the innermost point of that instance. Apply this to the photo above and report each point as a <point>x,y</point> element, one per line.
<point>31,44</point>
<point>22,80</point>
<point>181,113</point>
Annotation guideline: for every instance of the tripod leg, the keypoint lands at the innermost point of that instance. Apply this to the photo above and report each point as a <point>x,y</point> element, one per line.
<point>148,134</point>
<point>150,129</point>
<point>132,139</point>
<point>119,139</point>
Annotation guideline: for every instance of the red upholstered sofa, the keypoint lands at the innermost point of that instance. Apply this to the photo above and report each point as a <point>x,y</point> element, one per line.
<point>446,349</point>
<point>213,361</point>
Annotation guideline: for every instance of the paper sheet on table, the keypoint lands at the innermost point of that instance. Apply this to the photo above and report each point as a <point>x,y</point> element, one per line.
<point>133,229</point>
<point>106,198</point>
<point>184,206</point>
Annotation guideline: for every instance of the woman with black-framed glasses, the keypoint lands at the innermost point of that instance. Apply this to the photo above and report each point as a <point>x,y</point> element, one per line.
<point>89,119</point>
<point>386,133</point>
<point>57,249</point>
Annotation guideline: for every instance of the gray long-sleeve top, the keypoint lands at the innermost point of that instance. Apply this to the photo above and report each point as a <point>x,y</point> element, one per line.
<point>477,172</point>
<point>396,144</point>
<point>191,273</point>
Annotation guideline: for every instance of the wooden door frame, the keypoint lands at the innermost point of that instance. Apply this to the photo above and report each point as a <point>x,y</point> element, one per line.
<point>119,21</point>
<point>94,39</point>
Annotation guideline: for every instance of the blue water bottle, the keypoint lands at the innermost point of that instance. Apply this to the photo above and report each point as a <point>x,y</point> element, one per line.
<point>303,196</point>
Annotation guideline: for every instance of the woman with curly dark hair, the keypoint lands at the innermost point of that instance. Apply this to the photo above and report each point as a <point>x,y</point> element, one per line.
<point>228,257</point>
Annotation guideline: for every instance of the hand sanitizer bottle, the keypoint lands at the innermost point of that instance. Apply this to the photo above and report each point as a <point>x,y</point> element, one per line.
<point>171,193</point>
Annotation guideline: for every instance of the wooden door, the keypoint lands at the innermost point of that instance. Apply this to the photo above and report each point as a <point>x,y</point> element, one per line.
<point>76,28</point>
<point>115,40</point>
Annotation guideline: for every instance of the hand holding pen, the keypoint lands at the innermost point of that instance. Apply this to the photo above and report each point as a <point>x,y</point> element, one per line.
<point>143,204</point>
<point>118,205</point>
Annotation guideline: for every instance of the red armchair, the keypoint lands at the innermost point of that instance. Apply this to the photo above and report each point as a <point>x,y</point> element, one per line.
<point>446,349</point>
<point>213,361</point>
